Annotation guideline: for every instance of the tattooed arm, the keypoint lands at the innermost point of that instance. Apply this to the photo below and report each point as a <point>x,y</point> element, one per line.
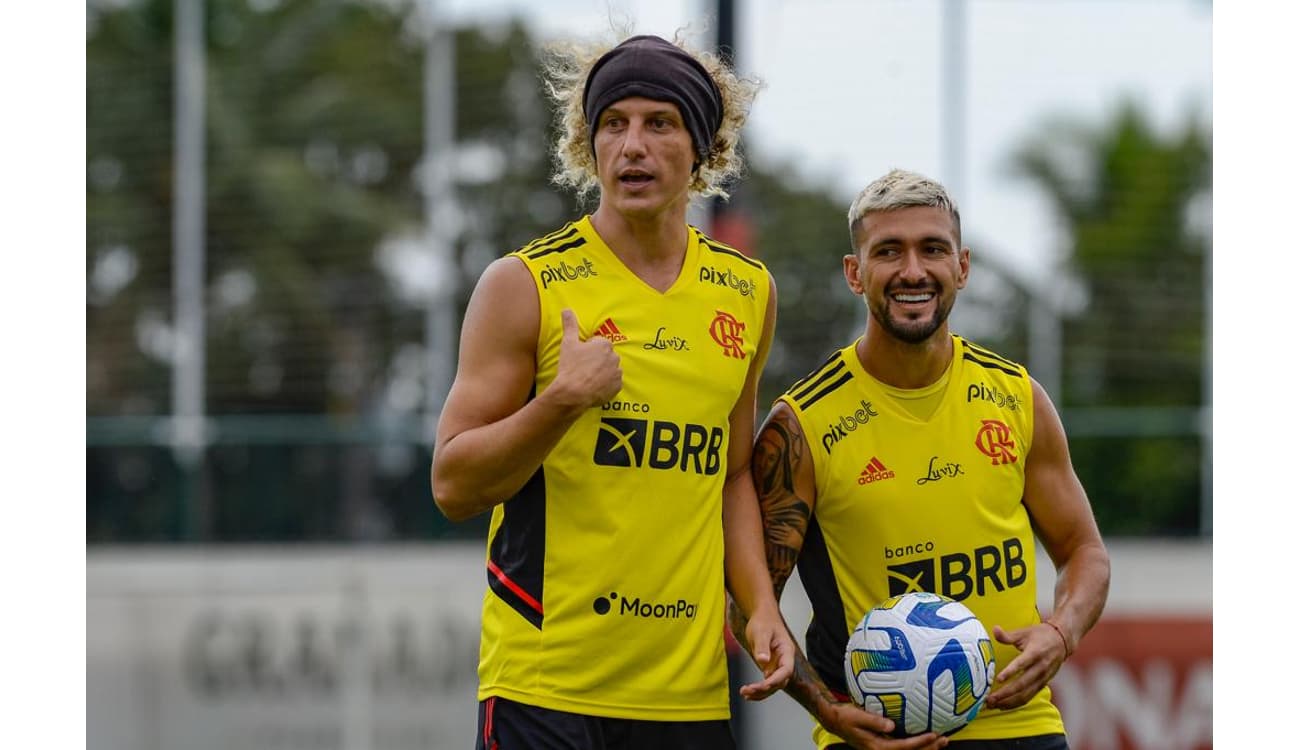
<point>787,492</point>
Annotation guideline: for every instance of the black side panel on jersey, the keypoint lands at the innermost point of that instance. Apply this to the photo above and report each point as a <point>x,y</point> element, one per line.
<point>517,555</point>
<point>826,638</point>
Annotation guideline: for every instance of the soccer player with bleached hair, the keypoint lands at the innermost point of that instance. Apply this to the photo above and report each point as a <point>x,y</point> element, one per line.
<point>603,412</point>
<point>916,460</point>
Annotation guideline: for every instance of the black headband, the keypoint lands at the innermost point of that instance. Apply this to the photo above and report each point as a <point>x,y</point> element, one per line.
<point>656,69</point>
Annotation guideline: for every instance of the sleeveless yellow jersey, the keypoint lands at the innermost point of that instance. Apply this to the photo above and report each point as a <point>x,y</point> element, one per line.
<point>605,573</point>
<point>905,504</point>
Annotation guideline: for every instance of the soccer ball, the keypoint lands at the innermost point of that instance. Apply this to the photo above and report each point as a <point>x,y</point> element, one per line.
<point>922,660</point>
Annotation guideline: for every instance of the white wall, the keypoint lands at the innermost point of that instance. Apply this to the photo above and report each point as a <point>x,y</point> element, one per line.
<point>375,648</point>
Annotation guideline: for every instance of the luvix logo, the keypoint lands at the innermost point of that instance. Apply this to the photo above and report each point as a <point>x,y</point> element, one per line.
<point>847,423</point>
<point>689,447</point>
<point>940,470</point>
<point>675,343</point>
<point>566,272</point>
<point>650,610</point>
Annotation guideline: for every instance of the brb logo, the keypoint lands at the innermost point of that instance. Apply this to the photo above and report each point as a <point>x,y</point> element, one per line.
<point>726,330</point>
<point>994,440</point>
<point>726,278</point>
<point>647,609</point>
<point>622,442</point>
<point>837,431</point>
<point>960,574</point>
<point>566,272</point>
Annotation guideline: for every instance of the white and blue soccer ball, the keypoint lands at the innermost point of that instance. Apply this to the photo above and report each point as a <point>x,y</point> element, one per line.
<point>922,660</point>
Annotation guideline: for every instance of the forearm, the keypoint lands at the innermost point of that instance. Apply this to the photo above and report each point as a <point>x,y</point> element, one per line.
<point>484,466</point>
<point>1082,586</point>
<point>805,685</point>
<point>748,579</point>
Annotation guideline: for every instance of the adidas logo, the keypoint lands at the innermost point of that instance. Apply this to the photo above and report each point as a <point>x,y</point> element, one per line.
<point>610,331</point>
<point>874,472</point>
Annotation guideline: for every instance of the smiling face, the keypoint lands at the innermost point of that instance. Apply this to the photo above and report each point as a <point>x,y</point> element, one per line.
<point>644,157</point>
<point>908,268</point>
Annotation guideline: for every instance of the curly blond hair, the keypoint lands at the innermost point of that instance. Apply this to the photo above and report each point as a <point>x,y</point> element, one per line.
<point>565,67</point>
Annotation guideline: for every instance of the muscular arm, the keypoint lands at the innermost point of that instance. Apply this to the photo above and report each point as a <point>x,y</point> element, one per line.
<point>784,480</point>
<point>747,577</point>
<point>778,464</point>
<point>491,437</point>
<point>765,633</point>
<point>1062,518</point>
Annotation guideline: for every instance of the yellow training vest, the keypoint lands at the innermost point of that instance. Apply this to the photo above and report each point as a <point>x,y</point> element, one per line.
<point>920,505</point>
<point>605,573</point>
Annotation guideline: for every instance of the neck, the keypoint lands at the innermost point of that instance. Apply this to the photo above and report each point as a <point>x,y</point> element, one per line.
<point>902,364</point>
<point>651,239</point>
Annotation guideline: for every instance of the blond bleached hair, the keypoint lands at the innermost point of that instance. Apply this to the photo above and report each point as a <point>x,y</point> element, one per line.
<point>901,189</point>
<point>565,67</point>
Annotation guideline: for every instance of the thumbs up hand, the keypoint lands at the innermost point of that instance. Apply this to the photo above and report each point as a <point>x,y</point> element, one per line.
<point>589,372</point>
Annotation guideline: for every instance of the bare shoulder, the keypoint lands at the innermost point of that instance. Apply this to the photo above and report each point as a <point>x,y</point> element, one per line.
<point>505,283</point>
<point>782,414</point>
<point>1049,432</point>
<point>498,344</point>
<point>781,441</point>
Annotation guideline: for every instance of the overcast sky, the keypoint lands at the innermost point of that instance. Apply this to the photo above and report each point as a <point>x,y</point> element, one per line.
<point>855,87</point>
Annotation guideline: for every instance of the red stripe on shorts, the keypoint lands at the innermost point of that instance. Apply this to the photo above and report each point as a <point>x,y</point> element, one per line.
<point>488,742</point>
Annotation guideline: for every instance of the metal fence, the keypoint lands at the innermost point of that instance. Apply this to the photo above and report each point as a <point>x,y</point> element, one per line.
<point>286,205</point>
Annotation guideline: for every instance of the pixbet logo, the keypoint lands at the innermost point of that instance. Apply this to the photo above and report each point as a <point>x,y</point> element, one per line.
<point>1008,401</point>
<point>566,272</point>
<point>847,423</point>
<point>728,279</point>
<point>959,575</point>
<point>647,609</point>
<point>690,447</point>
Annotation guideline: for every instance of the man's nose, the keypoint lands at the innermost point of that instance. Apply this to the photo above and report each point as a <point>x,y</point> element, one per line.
<point>913,269</point>
<point>633,142</point>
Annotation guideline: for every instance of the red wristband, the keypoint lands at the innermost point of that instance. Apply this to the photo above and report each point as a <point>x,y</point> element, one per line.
<point>1061,633</point>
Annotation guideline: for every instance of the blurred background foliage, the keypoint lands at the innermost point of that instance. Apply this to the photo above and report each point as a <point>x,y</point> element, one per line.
<point>317,281</point>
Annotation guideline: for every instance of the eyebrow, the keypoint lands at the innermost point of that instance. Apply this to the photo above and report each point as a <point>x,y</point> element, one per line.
<point>940,239</point>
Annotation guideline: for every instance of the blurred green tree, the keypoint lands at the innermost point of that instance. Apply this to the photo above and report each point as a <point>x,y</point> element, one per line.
<point>316,290</point>
<point>314,216</point>
<point>800,233</point>
<point>1135,203</point>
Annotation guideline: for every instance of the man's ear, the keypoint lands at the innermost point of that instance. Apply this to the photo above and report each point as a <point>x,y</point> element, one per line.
<point>853,273</point>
